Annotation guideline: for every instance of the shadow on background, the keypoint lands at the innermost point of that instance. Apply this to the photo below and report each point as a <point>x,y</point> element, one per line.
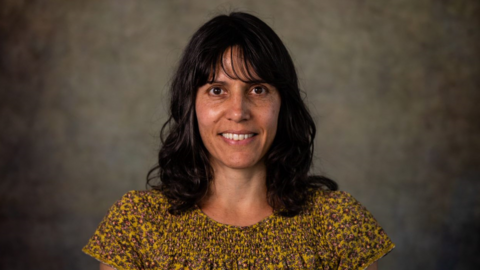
<point>394,87</point>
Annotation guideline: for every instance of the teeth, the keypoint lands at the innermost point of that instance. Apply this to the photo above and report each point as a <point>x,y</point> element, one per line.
<point>237,137</point>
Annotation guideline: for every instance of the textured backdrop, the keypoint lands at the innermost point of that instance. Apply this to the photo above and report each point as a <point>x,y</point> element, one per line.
<point>393,85</point>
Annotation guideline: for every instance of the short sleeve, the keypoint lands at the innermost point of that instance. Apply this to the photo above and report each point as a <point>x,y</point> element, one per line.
<point>353,233</point>
<point>114,243</point>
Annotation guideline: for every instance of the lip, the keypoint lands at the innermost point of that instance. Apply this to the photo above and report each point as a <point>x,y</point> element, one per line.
<point>239,143</point>
<point>243,131</point>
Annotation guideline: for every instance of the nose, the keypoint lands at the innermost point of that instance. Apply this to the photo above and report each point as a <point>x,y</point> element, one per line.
<point>238,109</point>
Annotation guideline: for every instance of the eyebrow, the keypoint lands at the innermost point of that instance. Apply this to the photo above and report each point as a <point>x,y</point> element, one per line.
<point>226,83</point>
<point>219,82</point>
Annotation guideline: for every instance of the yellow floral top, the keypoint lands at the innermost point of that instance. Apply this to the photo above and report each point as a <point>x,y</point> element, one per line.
<point>333,232</point>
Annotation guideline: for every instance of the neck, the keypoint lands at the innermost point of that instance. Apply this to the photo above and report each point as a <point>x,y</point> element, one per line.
<point>238,190</point>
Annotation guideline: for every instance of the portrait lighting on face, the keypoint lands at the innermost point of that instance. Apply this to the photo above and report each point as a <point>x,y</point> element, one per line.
<point>231,189</point>
<point>243,49</point>
<point>237,119</point>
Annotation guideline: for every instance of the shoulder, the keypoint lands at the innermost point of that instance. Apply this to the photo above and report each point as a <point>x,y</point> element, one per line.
<point>340,210</point>
<point>120,238</point>
<point>349,229</point>
<point>140,203</point>
<point>332,195</point>
<point>144,198</point>
<point>332,201</point>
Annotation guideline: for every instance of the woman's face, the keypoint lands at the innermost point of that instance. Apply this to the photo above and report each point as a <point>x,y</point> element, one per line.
<point>237,121</point>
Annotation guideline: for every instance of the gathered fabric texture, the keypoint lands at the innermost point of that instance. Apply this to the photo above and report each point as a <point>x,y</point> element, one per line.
<point>333,232</point>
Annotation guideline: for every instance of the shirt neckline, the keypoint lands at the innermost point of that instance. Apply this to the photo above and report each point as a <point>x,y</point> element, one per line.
<point>220,224</point>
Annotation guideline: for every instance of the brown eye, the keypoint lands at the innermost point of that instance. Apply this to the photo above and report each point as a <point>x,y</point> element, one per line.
<point>259,90</point>
<point>216,91</point>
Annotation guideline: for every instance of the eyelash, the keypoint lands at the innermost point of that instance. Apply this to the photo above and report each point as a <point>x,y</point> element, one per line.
<point>253,89</point>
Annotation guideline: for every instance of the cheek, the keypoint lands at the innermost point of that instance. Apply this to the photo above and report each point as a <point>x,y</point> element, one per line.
<point>271,119</point>
<point>200,110</point>
<point>207,116</point>
<point>200,115</point>
<point>204,116</point>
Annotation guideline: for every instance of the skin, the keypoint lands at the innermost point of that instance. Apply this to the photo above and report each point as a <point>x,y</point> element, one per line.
<point>105,267</point>
<point>229,105</point>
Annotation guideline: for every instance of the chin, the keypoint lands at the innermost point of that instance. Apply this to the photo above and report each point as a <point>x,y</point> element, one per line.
<point>241,164</point>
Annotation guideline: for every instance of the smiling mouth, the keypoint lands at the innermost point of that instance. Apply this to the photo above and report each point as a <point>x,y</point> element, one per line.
<point>237,137</point>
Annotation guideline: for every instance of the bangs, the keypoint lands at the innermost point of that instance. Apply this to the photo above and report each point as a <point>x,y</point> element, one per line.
<point>236,64</point>
<point>243,48</point>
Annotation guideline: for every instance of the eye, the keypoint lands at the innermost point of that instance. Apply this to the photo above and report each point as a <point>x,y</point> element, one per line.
<point>258,90</point>
<point>216,91</point>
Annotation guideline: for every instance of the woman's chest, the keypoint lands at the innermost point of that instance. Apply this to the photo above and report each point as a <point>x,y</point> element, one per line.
<point>207,245</point>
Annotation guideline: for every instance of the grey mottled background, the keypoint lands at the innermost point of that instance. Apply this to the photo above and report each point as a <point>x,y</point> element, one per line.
<point>393,85</point>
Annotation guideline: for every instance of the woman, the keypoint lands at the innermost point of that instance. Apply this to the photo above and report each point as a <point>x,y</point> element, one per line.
<point>234,190</point>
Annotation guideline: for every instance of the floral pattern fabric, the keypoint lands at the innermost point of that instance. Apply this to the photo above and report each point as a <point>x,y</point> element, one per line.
<point>333,232</point>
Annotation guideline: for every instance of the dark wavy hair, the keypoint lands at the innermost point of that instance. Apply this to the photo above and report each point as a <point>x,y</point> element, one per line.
<point>183,173</point>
